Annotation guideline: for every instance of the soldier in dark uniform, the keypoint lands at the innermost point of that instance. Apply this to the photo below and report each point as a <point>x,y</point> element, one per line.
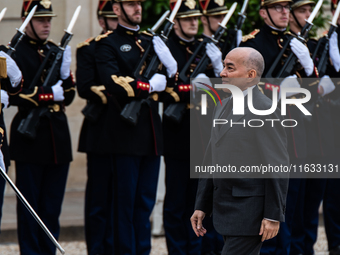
<point>10,82</point>
<point>305,234</point>
<point>213,14</point>
<point>180,189</point>
<point>319,133</point>
<point>42,163</point>
<point>331,199</point>
<point>273,36</point>
<point>136,147</point>
<point>93,140</point>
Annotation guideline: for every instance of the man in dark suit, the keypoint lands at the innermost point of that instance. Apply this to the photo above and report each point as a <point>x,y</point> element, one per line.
<point>245,210</point>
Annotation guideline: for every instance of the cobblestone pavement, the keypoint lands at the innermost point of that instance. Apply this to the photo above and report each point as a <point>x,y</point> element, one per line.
<point>158,246</point>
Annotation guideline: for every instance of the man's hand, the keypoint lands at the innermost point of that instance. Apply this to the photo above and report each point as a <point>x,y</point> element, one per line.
<point>326,85</point>
<point>13,70</point>
<point>4,99</point>
<point>269,229</point>
<point>334,51</point>
<point>165,56</point>
<point>215,56</point>
<point>200,80</point>
<point>157,83</point>
<point>302,53</point>
<point>58,92</point>
<point>196,223</point>
<point>65,71</point>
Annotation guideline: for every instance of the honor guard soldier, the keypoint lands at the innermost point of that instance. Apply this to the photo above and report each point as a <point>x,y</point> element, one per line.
<point>10,82</point>
<point>319,132</point>
<point>94,135</point>
<point>305,236</point>
<point>273,36</point>
<point>42,160</point>
<point>136,137</point>
<point>331,199</point>
<point>180,189</point>
<point>213,14</point>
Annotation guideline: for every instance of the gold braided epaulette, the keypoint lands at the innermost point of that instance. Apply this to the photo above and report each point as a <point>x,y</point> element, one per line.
<point>289,33</point>
<point>99,37</point>
<point>51,41</point>
<point>85,43</point>
<point>146,33</point>
<point>250,36</point>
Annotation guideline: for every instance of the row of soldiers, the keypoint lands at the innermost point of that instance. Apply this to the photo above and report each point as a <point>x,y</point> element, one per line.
<point>123,158</point>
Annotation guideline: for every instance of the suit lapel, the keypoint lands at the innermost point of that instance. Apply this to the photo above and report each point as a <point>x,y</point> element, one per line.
<point>234,118</point>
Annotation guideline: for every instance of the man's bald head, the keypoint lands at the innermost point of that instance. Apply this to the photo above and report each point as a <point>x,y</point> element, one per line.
<point>250,58</point>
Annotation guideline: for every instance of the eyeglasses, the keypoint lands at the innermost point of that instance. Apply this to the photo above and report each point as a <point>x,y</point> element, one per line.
<point>279,8</point>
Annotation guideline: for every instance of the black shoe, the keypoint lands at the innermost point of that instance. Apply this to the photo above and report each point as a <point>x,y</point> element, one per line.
<point>335,251</point>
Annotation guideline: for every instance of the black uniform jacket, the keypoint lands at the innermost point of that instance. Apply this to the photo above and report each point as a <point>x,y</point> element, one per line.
<point>319,128</point>
<point>94,135</point>
<point>334,99</point>
<point>5,85</point>
<point>53,142</point>
<point>117,55</point>
<point>177,135</point>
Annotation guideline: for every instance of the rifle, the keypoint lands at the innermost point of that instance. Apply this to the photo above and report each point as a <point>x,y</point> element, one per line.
<point>241,18</point>
<point>51,64</point>
<point>153,61</point>
<point>131,110</point>
<point>291,61</point>
<point>322,48</point>
<point>204,61</point>
<point>20,34</point>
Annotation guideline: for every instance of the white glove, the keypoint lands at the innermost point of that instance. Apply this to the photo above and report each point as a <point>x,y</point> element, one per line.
<point>239,37</point>
<point>2,162</point>
<point>58,91</point>
<point>13,71</point>
<point>327,85</point>
<point>4,98</point>
<point>215,56</point>
<point>290,82</point>
<point>165,56</point>
<point>199,80</point>
<point>65,65</point>
<point>334,51</point>
<point>157,83</point>
<point>302,53</point>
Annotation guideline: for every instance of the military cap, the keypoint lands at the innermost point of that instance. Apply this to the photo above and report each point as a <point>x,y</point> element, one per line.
<point>334,4</point>
<point>120,1</point>
<point>298,3</point>
<point>188,8</point>
<point>265,3</point>
<point>213,7</point>
<point>44,8</point>
<point>105,9</point>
